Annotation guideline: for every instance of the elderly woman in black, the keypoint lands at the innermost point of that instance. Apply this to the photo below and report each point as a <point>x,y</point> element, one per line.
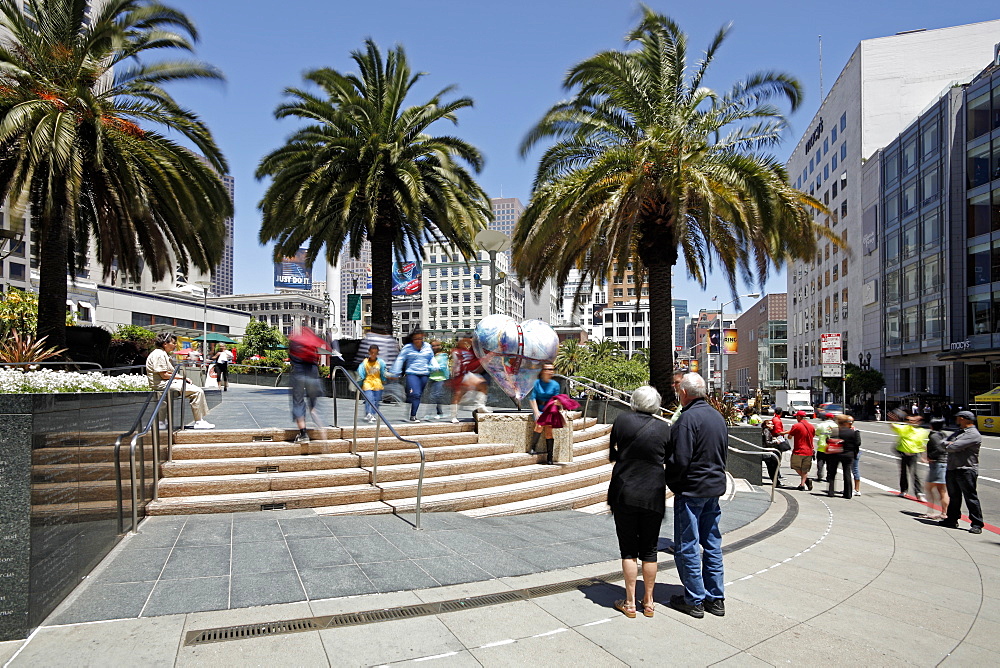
<point>637,492</point>
<point>842,447</point>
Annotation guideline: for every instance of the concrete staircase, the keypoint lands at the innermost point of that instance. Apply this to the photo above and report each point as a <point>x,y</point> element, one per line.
<point>250,470</point>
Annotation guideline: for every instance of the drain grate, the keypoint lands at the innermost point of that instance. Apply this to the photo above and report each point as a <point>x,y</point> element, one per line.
<point>267,469</point>
<point>272,506</point>
<point>251,631</point>
<point>257,439</point>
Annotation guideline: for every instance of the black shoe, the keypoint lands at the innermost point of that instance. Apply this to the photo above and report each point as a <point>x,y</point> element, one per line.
<point>678,603</point>
<point>809,484</point>
<point>716,607</point>
<point>976,530</point>
<point>800,488</point>
<point>948,525</point>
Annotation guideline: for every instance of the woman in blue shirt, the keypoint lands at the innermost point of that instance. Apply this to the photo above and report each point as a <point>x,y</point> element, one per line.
<point>419,361</point>
<point>546,409</point>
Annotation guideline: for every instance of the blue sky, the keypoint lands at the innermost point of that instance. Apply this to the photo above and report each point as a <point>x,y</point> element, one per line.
<point>510,57</point>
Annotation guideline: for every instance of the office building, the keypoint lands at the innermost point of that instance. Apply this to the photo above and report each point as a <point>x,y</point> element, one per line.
<point>506,212</point>
<point>884,85</point>
<point>761,360</point>
<point>283,310</point>
<point>222,277</point>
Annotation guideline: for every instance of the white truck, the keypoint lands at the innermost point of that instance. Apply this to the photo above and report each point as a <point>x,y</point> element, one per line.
<point>792,401</point>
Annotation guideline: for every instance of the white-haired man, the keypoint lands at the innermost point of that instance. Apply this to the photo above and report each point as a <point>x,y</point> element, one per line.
<point>696,474</point>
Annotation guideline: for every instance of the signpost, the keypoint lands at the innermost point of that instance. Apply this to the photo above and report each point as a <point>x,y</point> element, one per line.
<point>832,360</point>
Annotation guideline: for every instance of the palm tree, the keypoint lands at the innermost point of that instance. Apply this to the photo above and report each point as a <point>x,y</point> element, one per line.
<point>81,114</point>
<point>649,166</point>
<point>365,168</point>
<point>570,357</point>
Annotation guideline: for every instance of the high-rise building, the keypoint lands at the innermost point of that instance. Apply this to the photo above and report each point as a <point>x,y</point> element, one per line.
<point>222,277</point>
<point>506,212</point>
<point>350,276</point>
<point>680,307</point>
<point>761,359</point>
<point>886,83</point>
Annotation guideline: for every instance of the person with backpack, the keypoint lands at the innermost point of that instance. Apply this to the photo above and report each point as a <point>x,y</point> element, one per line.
<point>303,355</point>
<point>440,369</point>
<point>371,373</point>
<point>823,431</point>
<point>911,444</point>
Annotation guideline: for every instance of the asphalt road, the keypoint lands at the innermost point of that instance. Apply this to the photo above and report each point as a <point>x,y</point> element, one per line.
<point>880,467</point>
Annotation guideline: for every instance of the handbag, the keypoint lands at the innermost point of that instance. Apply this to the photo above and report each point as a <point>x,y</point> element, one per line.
<point>781,443</point>
<point>834,446</point>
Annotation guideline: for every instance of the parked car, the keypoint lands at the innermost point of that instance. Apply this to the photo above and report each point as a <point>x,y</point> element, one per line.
<point>829,410</point>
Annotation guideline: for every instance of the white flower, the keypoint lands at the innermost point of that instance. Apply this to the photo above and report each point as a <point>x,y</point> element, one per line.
<point>45,381</point>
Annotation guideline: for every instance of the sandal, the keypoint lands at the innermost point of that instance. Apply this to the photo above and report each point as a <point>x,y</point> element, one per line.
<point>647,610</point>
<point>624,609</point>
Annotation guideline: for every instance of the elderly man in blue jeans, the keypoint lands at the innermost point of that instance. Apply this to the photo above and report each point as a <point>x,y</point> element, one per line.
<point>696,474</point>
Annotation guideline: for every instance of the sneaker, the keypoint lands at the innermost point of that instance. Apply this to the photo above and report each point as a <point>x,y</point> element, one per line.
<point>976,530</point>
<point>800,488</point>
<point>716,607</point>
<point>454,420</point>
<point>163,424</point>
<point>678,603</point>
<point>922,498</point>
<point>857,492</point>
<point>201,424</point>
<point>301,438</point>
<point>809,484</point>
<point>484,408</point>
<point>413,418</point>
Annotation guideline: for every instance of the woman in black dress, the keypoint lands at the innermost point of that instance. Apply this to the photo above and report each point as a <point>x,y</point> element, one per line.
<point>637,492</point>
<point>847,439</point>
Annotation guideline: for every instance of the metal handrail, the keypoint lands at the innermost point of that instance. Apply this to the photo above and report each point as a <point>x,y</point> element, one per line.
<point>358,395</point>
<point>577,380</point>
<point>152,424</point>
<point>766,453</point>
<point>277,378</point>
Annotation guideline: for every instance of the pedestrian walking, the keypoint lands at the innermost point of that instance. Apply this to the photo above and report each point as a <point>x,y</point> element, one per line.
<point>372,375</point>
<point>415,360</point>
<point>464,376</point>
<point>303,355</point>
<point>436,381</point>
<point>696,474</point>
<point>222,359</point>
<point>636,494</point>
<point>823,431</point>
<point>545,405</point>
<point>802,433</point>
<point>936,459</point>
<point>911,444</point>
<point>842,447</point>
<point>962,474</point>
<point>774,437</point>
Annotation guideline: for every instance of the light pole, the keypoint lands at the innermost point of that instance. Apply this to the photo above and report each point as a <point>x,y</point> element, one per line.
<point>204,284</point>
<point>493,242</point>
<point>722,347</point>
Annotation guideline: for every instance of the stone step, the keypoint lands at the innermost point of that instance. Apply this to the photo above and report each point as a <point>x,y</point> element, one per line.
<point>492,496</point>
<point>253,501</point>
<point>592,498</point>
<point>77,473</point>
<point>250,465</point>
<point>51,494</point>
<point>189,436</point>
<point>205,485</point>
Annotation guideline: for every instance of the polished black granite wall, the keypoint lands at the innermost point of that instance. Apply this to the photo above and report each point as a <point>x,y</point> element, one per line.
<point>58,500</point>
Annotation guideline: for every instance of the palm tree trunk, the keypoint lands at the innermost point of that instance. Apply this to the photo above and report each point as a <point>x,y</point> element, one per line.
<point>661,331</point>
<point>53,261</point>
<point>381,241</point>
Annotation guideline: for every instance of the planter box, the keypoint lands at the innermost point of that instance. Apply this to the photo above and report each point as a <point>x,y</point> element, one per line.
<point>58,506</point>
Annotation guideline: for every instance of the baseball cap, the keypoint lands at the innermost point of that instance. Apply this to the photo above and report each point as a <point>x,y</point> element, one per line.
<point>966,414</point>
<point>800,414</point>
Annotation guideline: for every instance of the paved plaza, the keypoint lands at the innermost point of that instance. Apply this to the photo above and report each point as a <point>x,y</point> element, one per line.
<point>813,579</point>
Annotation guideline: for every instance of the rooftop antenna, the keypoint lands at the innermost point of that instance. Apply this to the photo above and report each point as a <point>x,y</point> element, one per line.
<point>821,69</point>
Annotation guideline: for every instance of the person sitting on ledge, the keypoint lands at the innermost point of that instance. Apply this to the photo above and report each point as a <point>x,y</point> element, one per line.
<point>159,369</point>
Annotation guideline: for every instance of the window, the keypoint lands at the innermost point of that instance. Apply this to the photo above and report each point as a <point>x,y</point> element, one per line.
<point>833,163</point>
<point>909,198</point>
<point>979,314</point>
<point>930,186</point>
<point>996,106</point>
<point>978,218</point>
<point>631,292</point>
<point>890,168</point>
<point>910,232</point>
<point>433,272</point>
<point>826,172</point>
<point>892,210</point>
<point>911,325</point>
<point>979,115</point>
<point>843,151</point>
<point>434,285</point>
<point>994,167</point>
<point>843,122</point>
<point>930,139</point>
<point>434,259</point>
<point>623,331</point>
<point>826,146</point>
<point>931,232</point>
<point>618,292</point>
<point>909,155</point>
<point>15,270</point>
<point>843,209</point>
<point>892,330</point>
<point>932,273</point>
<point>979,265</point>
<point>637,331</point>
<point>933,323</point>
<point>833,134</point>
<point>978,165</point>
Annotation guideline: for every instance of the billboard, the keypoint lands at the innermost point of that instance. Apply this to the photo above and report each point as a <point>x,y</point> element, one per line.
<point>712,340</point>
<point>730,341</point>
<point>293,272</point>
<point>599,314</point>
<point>406,278</point>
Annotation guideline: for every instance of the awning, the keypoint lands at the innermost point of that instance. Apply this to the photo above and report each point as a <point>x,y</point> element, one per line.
<point>190,333</point>
<point>991,396</point>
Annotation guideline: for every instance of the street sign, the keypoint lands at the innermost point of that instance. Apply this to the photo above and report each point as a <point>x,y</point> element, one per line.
<point>833,371</point>
<point>831,349</point>
<point>354,307</point>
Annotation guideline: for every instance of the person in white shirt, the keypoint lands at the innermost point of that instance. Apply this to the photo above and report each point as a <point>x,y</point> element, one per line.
<point>223,356</point>
<point>159,369</point>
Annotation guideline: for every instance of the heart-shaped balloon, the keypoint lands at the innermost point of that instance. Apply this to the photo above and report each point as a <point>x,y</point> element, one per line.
<point>514,353</point>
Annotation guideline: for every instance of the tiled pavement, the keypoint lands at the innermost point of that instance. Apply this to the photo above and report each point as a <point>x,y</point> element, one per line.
<point>181,564</point>
<point>860,582</point>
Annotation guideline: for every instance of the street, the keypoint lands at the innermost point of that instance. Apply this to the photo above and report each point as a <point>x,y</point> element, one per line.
<point>880,466</point>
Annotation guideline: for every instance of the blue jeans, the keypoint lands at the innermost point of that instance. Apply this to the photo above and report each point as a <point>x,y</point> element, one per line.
<point>375,396</point>
<point>696,526</point>
<point>854,466</point>
<point>414,390</point>
<point>305,385</point>
<point>435,392</point>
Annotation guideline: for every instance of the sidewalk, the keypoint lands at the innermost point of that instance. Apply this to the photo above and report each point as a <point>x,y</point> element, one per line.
<point>814,579</point>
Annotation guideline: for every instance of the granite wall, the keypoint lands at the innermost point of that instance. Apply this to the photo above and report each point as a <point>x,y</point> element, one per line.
<point>58,499</point>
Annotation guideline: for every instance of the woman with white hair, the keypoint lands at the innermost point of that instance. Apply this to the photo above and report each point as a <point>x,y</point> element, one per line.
<point>637,492</point>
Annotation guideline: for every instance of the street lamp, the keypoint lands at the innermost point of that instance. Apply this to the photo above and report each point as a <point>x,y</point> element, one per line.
<point>204,284</point>
<point>722,352</point>
<point>493,242</point>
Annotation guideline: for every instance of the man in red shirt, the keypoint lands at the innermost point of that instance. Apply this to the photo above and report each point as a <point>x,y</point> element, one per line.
<point>802,433</point>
